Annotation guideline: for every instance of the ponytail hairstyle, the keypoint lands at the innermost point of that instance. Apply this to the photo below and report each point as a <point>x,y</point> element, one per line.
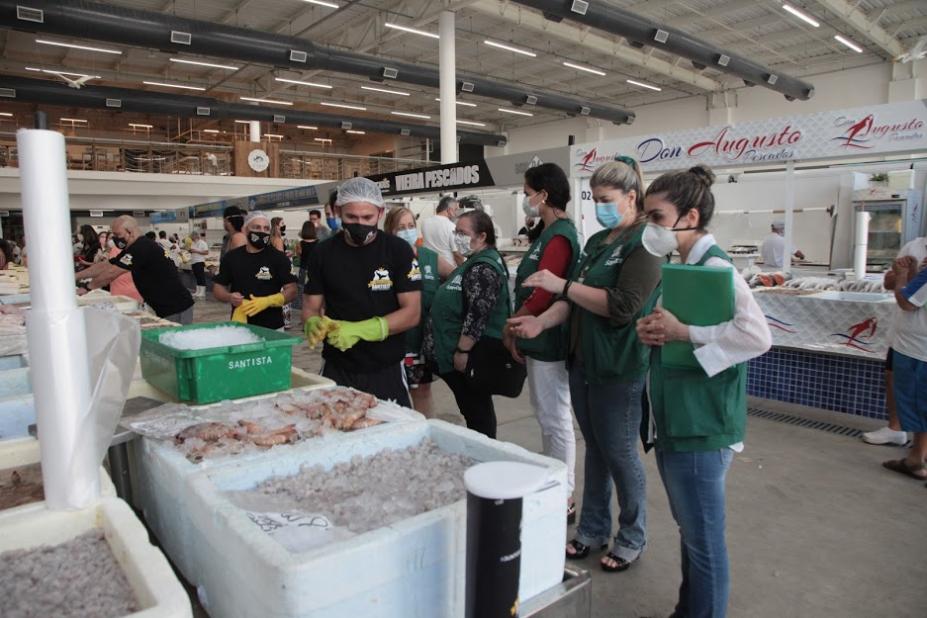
<point>624,173</point>
<point>688,190</point>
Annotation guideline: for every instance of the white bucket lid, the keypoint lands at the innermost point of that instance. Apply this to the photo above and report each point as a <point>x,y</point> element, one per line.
<point>504,480</point>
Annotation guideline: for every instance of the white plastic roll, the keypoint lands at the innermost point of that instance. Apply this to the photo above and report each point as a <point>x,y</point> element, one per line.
<point>55,327</point>
<point>861,245</point>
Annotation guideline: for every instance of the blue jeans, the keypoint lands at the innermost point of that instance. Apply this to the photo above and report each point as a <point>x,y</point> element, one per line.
<point>609,415</point>
<point>695,487</point>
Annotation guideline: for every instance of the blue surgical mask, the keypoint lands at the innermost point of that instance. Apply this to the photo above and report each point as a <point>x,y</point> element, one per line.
<point>333,223</point>
<point>410,235</point>
<point>608,215</point>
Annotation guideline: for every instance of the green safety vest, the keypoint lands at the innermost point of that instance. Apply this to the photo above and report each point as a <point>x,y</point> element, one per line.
<point>610,354</point>
<point>693,412</point>
<point>428,266</point>
<point>447,310</point>
<point>550,345</point>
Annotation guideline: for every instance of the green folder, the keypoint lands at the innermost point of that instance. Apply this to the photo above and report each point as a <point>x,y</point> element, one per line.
<point>698,296</point>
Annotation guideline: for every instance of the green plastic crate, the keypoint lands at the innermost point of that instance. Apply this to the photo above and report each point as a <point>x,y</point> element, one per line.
<point>216,374</point>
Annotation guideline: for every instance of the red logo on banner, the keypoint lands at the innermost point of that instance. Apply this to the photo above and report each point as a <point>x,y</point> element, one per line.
<point>861,133</point>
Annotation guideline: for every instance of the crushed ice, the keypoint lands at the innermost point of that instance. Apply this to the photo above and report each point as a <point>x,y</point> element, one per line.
<point>205,338</point>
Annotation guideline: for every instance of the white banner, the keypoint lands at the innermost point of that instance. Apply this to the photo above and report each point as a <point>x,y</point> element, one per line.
<point>836,326</point>
<point>876,130</point>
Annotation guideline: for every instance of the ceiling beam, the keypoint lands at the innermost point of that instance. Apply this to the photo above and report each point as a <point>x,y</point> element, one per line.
<point>856,19</point>
<point>593,42</point>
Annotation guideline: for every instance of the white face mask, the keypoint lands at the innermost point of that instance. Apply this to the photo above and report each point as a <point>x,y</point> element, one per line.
<point>658,240</point>
<point>530,211</point>
<point>462,244</point>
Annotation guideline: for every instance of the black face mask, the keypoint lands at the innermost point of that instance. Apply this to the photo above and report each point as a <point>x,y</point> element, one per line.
<point>283,231</point>
<point>258,239</point>
<point>360,233</point>
<point>120,242</point>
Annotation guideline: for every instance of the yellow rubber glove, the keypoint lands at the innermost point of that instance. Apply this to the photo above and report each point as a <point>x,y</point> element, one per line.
<point>316,328</point>
<point>256,305</point>
<point>349,333</point>
<point>239,314</point>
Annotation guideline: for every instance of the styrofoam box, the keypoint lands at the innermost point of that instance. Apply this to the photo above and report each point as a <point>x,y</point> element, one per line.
<point>25,451</point>
<point>414,568</point>
<point>156,588</point>
<point>158,473</point>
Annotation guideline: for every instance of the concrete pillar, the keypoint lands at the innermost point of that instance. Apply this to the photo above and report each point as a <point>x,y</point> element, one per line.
<point>254,127</point>
<point>721,107</point>
<point>448,82</point>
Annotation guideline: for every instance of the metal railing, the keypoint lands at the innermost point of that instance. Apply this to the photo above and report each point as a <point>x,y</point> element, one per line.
<point>142,156</point>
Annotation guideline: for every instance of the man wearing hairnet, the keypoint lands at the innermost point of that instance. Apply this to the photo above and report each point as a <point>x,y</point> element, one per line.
<point>773,248</point>
<point>256,279</point>
<point>362,292</point>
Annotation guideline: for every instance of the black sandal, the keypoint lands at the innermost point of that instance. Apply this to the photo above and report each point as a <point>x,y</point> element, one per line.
<point>581,550</point>
<point>621,563</point>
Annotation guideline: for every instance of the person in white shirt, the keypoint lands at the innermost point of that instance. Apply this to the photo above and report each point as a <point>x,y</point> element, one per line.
<point>198,252</point>
<point>908,331</point>
<point>773,248</point>
<point>438,231</point>
<point>164,242</point>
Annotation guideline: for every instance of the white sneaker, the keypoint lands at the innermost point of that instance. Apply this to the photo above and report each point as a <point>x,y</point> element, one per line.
<point>887,436</point>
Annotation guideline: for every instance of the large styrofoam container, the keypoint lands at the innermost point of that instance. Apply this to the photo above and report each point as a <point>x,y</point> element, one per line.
<point>25,451</point>
<point>158,592</point>
<point>411,569</point>
<point>158,473</point>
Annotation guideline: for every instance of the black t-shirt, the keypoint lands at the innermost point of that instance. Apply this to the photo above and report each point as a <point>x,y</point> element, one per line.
<point>359,283</point>
<point>306,252</point>
<point>263,274</point>
<point>155,276</point>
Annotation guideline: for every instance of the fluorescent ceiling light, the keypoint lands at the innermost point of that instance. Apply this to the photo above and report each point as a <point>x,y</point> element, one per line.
<point>307,127</point>
<point>849,43</point>
<point>102,50</point>
<point>277,135</point>
<point>471,123</point>
<point>464,103</point>
<point>355,132</point>
<point>301,83</point>
<point>51,72</point>
<point>523,52</point>
<point>515,111</point>
<point>181,86</point>
<point>343,106</point>
<point>800,15</point>
<point>411,30</point>
<point>199,63</point>
<point>386,90</point>
<point>210,130</point>
<point>643,85</point>
<point>324,140</point>
<point>243,121</point>
<point>136,125</point>
<point>6,114</point>
<point>580,67</point>
<point>330,5</point>
<point>81,120</point>
<point>271,101</point>
<point>411,115</point>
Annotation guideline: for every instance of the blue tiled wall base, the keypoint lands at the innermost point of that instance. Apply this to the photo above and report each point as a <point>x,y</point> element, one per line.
<point>828,381</point>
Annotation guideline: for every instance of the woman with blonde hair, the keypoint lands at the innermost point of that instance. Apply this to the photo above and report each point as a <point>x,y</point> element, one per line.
<point>432,268</point>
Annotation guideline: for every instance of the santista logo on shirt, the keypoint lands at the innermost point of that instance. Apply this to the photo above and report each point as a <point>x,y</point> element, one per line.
<point>264,274</point>
<point>615,257</point>
<point>456,283</point>
<point>126,260</point>
<point>381,281</point>
<point>415,274</point>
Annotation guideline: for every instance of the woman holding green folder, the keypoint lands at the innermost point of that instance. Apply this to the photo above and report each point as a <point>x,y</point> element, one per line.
<point>600,304</point>
<point>699,414</point>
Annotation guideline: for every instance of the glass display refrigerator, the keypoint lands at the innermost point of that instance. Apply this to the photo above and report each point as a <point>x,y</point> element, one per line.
<point>893,222</point>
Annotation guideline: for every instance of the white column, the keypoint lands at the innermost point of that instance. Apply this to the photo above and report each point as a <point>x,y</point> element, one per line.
<point>789,215</point>
<point>255,129</point>
<point>447,61</point>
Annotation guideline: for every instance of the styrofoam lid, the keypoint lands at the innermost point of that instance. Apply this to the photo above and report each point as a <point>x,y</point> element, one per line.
<point>504,480</point>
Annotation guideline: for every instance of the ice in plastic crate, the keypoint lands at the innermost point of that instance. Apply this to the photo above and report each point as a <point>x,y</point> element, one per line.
<point>414,568</point>
<point>157,590</point>
<point>216,374</point>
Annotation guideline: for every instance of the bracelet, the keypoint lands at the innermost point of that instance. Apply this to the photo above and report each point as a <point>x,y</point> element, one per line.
<point>566,290</point>
<point>459,351</point>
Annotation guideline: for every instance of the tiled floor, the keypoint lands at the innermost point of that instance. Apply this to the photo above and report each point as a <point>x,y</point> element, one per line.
<point>816,527</point>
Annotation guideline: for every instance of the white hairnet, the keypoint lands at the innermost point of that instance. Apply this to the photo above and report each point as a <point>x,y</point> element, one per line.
<point>360,190</point>
<point>256,214</point>
<point>778,225</point>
